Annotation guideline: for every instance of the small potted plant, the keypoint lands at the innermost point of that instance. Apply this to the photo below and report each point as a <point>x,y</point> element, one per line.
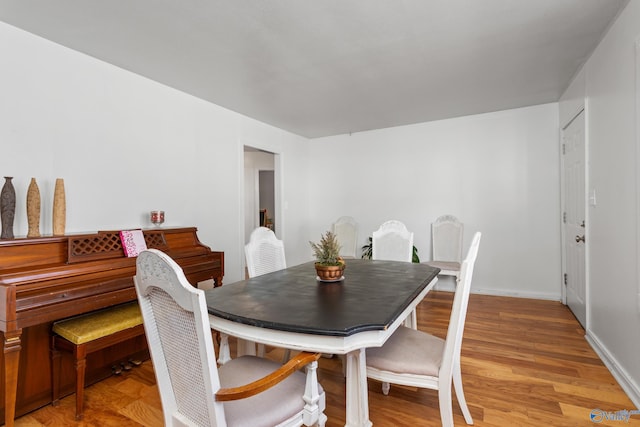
<point>329,263</point>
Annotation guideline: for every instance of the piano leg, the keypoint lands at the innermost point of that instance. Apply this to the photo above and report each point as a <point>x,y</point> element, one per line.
<point>11,349</point>
<point>217,281</point>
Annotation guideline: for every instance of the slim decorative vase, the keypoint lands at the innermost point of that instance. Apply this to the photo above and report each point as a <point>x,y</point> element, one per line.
<point>7,208</point>
<point>33,209</point>
<point>59,208</point>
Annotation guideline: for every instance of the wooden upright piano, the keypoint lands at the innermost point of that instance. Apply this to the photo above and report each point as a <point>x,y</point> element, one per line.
<point>50,278</point>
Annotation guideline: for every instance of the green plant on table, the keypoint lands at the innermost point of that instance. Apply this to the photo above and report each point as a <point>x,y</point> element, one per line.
<point>327,251</point>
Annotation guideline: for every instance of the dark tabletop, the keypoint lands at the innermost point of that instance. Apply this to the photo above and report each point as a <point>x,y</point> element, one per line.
<point>371,296</point>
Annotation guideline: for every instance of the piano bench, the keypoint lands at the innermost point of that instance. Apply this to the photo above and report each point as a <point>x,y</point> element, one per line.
<point>87,333</point>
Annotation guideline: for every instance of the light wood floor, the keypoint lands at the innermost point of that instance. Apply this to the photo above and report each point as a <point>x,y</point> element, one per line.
<point>524,363</point>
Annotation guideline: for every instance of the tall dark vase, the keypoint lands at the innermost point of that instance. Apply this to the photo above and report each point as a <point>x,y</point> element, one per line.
<point>7,208</point>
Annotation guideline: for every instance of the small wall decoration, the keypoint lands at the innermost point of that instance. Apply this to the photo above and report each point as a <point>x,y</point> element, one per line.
<point>7,207</point>
<point>33,209</point>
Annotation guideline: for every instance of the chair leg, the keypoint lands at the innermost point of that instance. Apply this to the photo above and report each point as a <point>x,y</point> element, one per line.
<point>322,421</point>
<point>457,385</point>
<point>55,373</point>
<point>446,406</point>
<point>80,356</point>
<point>385,388</point>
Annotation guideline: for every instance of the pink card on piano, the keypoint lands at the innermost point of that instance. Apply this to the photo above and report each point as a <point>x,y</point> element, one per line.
<point>132,242</point>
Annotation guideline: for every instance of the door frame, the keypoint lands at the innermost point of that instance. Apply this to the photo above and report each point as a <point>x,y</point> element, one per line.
<point>588,201</point>
<point>277,182</point>
<point>638,172</point>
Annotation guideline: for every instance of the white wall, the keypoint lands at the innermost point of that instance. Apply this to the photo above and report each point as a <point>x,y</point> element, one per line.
<point>612,233</point>
<point>497,172</point>
<point>573,99</point>
<point>126,145</point>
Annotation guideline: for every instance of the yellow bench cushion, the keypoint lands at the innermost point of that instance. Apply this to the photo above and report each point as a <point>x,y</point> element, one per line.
<point>98,324</point>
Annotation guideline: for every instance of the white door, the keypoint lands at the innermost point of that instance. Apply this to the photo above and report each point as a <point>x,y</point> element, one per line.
<point>573,146</point>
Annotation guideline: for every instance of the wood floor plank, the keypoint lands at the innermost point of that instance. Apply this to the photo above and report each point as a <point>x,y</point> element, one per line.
<point>143,413</point>
<point>524,363</point>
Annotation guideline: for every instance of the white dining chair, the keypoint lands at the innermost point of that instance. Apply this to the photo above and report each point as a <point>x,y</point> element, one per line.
<point>265,254</point>
<point>392,242</point>
<point>346,230</point>
<point>247,391</point>
<point>418,359</point>
<point>446,245</point>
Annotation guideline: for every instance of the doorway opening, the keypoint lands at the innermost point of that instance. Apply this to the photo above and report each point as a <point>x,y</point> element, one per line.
<point>259,190</point>
<point>266,199</point>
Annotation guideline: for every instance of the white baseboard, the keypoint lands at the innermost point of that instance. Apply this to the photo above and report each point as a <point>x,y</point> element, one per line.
<point>624,379</point>
<point>517,294</point>
<point>449,286</point>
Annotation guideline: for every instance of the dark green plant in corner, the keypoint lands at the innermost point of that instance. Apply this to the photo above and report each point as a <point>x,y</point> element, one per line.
<point>327,251</point>
<point>367,252</point>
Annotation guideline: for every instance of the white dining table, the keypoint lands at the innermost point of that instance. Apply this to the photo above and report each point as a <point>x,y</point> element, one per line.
<point>291,309</point>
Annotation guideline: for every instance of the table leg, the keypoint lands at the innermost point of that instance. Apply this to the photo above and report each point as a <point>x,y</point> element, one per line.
<point>411,321</point>
<point>357,399</point>
<point>246,348</point>
<point>224,352</point>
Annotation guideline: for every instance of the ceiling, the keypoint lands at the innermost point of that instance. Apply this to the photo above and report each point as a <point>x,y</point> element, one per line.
<point>326,67</point>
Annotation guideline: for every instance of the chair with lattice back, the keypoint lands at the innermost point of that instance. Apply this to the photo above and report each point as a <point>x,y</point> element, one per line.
<point>346,230</point>
<point>246,391</point>
<point>392,242</point>
<point>264,254</point>
<point>446,245</point>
